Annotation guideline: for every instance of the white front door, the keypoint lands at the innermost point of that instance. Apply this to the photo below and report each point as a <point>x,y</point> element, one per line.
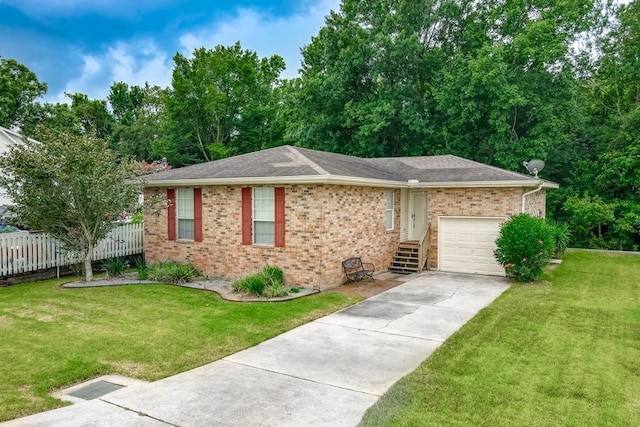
<point>418,215</point>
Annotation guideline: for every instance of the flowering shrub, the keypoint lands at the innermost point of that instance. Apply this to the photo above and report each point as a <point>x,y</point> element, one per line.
<point>525,246</point>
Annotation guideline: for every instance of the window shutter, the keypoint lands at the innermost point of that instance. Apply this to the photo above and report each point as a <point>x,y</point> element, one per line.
<point>197,214</point>
<point>279,216</point>
<point>171,213</point>
<point>247,235</point>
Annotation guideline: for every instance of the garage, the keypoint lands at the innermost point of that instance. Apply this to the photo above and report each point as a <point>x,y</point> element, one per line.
<point>466,244</point>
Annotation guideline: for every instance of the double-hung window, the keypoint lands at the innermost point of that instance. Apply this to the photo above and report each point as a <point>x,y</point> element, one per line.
<point>390,198</point>
<point>264,230</point>
<point>185,214</point>
<point>263,216</point>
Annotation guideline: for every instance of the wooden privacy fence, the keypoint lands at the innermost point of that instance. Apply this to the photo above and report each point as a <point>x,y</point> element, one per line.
<point>24,253</point>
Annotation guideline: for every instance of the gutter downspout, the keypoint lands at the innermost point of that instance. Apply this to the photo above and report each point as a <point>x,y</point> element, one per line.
<point>524,196</point>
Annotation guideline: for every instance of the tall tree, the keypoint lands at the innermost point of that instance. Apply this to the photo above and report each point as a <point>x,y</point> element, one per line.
<point>70,186</point>
<point>19,88</point>
<point>486,80</point>
<point>138,114</point>
<point>220,103</point>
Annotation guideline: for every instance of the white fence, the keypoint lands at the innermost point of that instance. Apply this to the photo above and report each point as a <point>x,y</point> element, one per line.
<point>23,253</point>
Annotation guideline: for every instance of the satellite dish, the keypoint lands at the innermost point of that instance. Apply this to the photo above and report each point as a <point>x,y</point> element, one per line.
<point>534,166</point>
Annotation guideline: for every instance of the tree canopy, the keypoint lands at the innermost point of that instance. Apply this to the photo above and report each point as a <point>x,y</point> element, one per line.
<point>497,81</point>
<point>70,186</point>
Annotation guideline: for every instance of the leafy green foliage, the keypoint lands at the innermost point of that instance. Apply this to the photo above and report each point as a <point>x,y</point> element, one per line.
<point>70,186</point>
<point>268,282</point>
<point>254,284</point>
<point>115,266</point>
<point>221,102</point>
<point>171,272</point>
<point>141,268</point>
<point>19,88</point>
<point>525,246</point>
<point>561,237</point>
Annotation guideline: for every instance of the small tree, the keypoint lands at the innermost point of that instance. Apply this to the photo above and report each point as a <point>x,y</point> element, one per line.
<point>69,186</point>
<point>525,246</point>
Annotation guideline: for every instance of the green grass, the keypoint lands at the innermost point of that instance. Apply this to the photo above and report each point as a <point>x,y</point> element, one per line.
<point>52,337</point>
<point>562,352</point>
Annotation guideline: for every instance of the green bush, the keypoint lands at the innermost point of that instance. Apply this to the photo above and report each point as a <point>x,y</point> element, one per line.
<point>273,274</point>
<point>525,246</point>
<point>268,282</point>
<point>141,267</point>
<point>254,284</point>
<point>562,238</point>
<point>115,266</point>
<point>172,272</point>
<point>276,290</point>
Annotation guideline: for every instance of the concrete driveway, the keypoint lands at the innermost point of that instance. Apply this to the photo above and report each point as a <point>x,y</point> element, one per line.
<point>324,373</point>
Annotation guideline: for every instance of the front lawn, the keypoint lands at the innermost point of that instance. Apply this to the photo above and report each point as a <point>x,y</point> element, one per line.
<point>562,352</point>
<point>53,337</point>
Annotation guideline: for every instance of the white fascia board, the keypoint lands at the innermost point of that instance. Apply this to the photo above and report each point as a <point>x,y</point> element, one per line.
<point>340,180</point>
<point>477,184</point>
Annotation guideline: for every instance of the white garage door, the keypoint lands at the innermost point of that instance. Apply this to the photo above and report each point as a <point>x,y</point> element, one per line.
<point>466,244</point>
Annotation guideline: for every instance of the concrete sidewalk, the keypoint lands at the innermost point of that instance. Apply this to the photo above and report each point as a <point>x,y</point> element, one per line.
<point>324,373</point>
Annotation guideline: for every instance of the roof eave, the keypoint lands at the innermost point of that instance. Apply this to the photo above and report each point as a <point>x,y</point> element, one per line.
<point>476,184</point>
<point>341,180</point>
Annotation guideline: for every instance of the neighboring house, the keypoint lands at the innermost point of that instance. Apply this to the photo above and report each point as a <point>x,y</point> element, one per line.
<point>306,211</point>
<point>7,138</point>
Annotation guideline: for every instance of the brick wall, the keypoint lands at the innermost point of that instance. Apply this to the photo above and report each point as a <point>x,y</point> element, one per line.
<point>324,224</point>
<point>536,204</point>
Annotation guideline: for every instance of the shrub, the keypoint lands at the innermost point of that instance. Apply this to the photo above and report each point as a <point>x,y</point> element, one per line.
<point>277,289</point>
<point>525,246</point>
<point>253,284</point>
<point>273,274</point>
<point>115,266</point>
<point>562,237</point>
<point>268,282</point>
<point>172,272</point>
<point>141,267</point>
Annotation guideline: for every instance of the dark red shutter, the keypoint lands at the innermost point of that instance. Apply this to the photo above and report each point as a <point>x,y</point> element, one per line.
<point>247,222</point>
<point>279,216</point>
<point>197,214</point>
<point>171,213</point>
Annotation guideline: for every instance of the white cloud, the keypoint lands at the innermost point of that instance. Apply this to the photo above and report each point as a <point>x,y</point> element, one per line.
<point>141,61</point>
<point>264,33</point>
<point>132,63</point>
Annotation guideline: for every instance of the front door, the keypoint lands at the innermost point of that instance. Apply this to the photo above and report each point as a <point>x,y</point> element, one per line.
<point>418,215</point>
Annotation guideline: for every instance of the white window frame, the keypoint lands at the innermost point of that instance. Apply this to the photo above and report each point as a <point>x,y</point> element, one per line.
<point>390,210</point>
<point>185,213</point>
<point>263,216</point>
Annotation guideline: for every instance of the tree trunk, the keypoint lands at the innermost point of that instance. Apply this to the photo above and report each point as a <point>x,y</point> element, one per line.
<point>88,271</point>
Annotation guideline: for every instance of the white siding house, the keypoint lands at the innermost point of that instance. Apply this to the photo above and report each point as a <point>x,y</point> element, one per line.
<point>7,137</point>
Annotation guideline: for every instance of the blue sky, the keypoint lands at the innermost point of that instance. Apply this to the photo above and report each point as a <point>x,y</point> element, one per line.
<point>86,45</point>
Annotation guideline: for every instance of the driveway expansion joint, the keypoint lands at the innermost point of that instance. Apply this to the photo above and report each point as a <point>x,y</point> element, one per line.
<point>302,379</point>
<point>141,414</point>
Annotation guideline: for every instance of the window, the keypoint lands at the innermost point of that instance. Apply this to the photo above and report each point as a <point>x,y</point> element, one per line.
<point>390,198</point>
<point>185,214</point>
<point>263,216</point>
<point>264,230</point>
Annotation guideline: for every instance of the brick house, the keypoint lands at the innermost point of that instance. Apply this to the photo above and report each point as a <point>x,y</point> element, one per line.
<point>305,211</point>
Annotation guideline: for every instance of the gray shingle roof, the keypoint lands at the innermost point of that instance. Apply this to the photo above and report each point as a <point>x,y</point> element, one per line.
<point>288,161</point>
